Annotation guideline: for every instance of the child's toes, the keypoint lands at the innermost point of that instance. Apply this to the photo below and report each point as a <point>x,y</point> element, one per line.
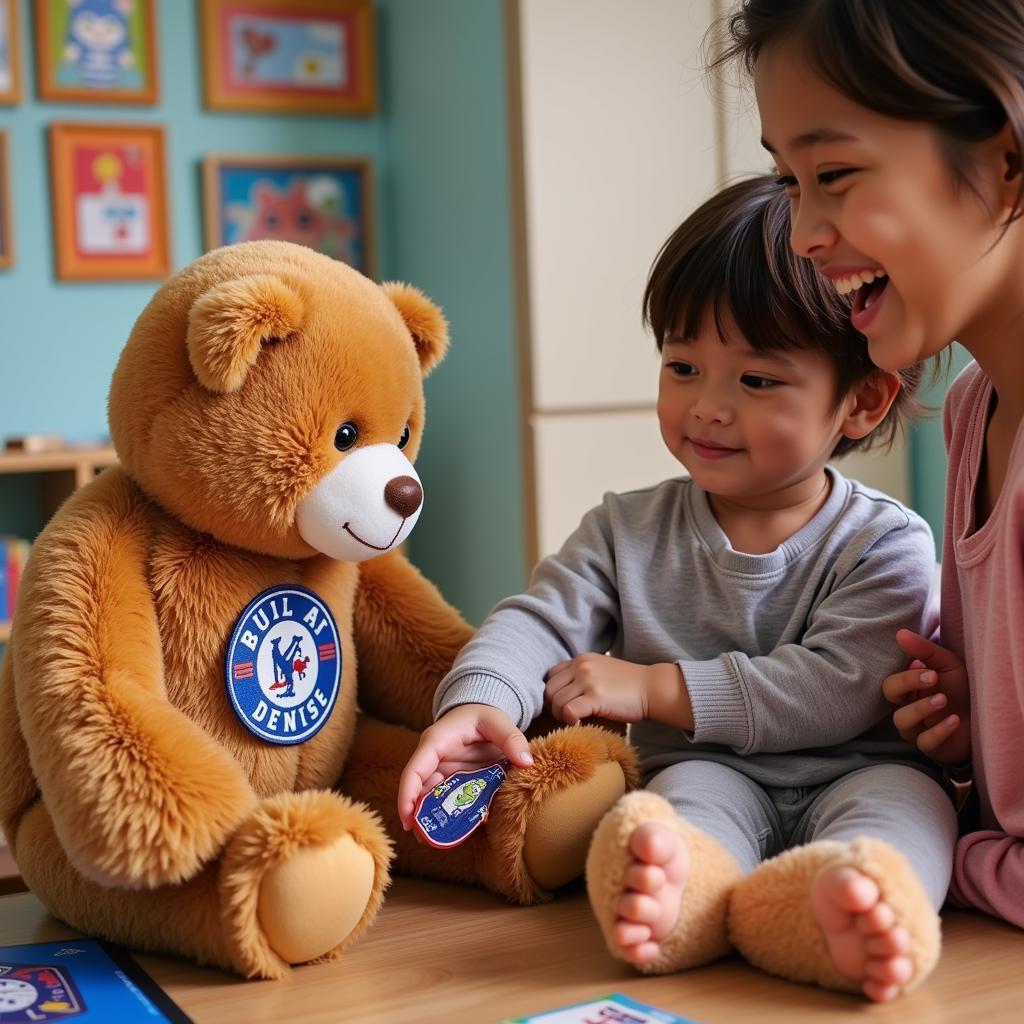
<point>630,933</point>
<point>878,919</point>
<point>644,878</point>
<point>889,970</point>
<point>879,993</point>
<point>894,942</point>
<point>639,908</point>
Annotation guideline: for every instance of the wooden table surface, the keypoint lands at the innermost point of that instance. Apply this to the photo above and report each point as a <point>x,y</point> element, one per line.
<point>442,953</point>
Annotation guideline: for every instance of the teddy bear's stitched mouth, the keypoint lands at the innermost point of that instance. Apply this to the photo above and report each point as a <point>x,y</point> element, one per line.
<point>348,529</point>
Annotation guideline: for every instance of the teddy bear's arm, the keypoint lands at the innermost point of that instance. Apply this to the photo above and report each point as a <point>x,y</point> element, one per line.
<point>406,637</point>
<point>139,793</point>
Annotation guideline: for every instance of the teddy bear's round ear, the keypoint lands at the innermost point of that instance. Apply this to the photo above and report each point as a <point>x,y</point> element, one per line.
<point>228,325</point>
<point>425,321</point>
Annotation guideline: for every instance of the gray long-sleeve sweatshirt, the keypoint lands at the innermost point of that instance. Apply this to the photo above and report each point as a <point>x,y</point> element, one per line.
<point>783,653</point>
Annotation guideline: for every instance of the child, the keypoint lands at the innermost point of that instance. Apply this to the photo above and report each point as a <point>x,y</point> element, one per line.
<point>751,611</point>
<point>898,128</point>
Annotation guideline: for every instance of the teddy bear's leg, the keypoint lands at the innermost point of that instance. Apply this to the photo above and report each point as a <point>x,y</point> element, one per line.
<point>300,880</point>
<point>540,822</point>
<point>698,874</point>
<point>184,919</point>
<point>550,810</point>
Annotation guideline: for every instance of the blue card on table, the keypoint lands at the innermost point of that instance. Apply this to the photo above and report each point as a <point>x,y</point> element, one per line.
<point>613,1009</point>
<point>79,980</point>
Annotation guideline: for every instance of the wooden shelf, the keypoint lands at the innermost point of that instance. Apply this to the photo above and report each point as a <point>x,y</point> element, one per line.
<point>83,462</point>
<point>5,631</point>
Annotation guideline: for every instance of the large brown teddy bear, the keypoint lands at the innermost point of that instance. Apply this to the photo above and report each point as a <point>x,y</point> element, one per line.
<point>179,691</point>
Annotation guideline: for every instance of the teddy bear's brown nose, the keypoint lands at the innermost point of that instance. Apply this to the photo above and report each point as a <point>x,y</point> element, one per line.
<point>404,495</point>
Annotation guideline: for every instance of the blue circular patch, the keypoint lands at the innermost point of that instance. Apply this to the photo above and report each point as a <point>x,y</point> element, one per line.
<point>284,665</point>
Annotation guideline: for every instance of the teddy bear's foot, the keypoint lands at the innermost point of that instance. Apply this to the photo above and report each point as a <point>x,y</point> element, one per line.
<point>659,886</point>
<point>543,816</point>
<point>857,918</point>
<point>301,880</point>
<point>302,919</point>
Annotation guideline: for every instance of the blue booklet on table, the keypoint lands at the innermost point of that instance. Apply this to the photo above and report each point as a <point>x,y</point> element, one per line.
<point>79,980</point>
<point>613,1009</point>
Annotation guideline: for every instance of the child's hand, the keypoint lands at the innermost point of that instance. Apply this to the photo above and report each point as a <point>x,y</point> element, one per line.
<point>594,684</point>
<point>935,707</point>
<point>467,737</point>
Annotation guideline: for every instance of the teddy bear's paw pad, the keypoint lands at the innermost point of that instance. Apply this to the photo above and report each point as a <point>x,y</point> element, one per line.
<point>309,903</point>
<point>558,831</point>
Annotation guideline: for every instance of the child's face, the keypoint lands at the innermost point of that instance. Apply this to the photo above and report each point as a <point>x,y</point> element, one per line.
<point>874,195</point>
<point>746,425</point>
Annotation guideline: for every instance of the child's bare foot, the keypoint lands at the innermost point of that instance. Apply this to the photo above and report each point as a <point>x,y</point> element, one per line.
<point>653,884</point>
<point>864,939</point>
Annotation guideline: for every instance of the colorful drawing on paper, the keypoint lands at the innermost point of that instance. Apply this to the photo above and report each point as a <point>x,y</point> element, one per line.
<point>319,207</point>
<point>109,201</point>
<point>281,50</point>
<point>98,44</point>
<point>112,201</point>
<point>311,56</point>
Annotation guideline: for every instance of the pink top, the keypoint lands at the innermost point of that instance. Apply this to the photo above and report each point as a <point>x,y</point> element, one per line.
<point>982,620</point>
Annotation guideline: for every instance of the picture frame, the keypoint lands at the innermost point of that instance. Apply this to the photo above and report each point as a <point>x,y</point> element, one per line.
<point>109,199</point>
<point>97,51</point>
<point>10,53</point>
<point>324,202</point>
<point>6,227</point>
<point>306,56</point>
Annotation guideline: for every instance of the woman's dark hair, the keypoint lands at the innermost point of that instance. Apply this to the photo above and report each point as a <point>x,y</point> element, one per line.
<point>955,64</point>
<point>732,258</point>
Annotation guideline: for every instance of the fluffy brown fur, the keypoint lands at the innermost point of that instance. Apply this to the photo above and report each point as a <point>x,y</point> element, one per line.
<point>700,934</point>
<point>138,806</point>
<point>779,891</point>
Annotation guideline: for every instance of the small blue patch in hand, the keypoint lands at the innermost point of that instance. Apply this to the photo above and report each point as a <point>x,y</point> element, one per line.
<point>454,809</point>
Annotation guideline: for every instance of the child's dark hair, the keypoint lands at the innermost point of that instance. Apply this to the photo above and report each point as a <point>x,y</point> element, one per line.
<point>956,65</point>
<point>732,257</point>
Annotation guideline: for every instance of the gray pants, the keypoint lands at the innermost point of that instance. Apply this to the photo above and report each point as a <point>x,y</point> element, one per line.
<point>900,805</point>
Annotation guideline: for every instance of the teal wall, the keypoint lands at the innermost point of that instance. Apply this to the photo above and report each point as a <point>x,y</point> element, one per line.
<point>445,132</point>
<point>439,152</point>
<point>928,452</point>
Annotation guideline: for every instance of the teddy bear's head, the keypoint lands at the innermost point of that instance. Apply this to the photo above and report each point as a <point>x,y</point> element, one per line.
<point>272,397</point>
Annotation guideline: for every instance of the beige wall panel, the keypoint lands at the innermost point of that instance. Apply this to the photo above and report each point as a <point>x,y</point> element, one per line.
<point>741,129</point>
<point>581,456</point>
<point>887,471</point>
<point>619,145</point>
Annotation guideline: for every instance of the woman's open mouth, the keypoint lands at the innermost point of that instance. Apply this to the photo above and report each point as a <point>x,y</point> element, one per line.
<point>866,302</point>
<point>866,289</point>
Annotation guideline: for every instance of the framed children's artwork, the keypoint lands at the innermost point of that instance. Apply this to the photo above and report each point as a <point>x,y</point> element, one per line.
<point>10,56</point>
<point>6,244</point>
<point>325,203</point>
<point>109,201</point>
<point>312,56</point>
<point>96,51</point>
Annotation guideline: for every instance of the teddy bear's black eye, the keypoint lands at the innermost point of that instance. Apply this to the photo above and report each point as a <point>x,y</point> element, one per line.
<point>346,436</point>
<point>404,440</point>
